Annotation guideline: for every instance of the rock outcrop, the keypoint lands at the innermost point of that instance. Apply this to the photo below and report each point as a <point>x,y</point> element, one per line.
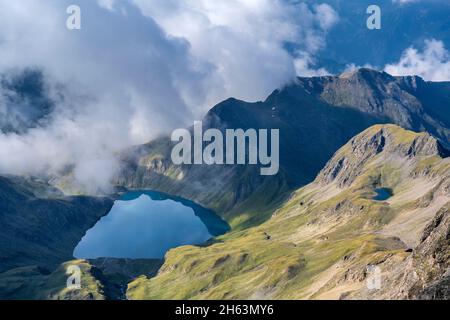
<point>327,240</point>
<point>316,116</point>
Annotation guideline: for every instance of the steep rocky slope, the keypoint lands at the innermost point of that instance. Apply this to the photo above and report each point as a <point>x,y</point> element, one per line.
<point>316,116</point>
<point>39,229</point>
<point>39,225</point>
<point>321,242</point>
<point>426,273</point>
<point>317,244</point>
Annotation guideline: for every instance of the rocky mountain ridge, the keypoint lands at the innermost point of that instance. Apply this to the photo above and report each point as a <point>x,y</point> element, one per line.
<point>310,232</point>
<point>315,116</point>
<point>320,243</point>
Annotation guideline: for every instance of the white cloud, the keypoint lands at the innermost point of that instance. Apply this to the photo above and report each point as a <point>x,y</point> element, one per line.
<point>246,38</point>
<point>404,1</point>
<point>107,4</point>
<point>432,63</point>
<point>139,68</point>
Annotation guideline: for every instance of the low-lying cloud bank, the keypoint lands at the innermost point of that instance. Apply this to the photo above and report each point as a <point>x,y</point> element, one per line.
<point>137,69</point>
<point>432,63</point>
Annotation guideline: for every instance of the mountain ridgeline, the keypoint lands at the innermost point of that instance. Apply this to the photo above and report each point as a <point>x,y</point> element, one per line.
<point>322,243</point>
<point>364,181</point>
<point>316,116</point>
<point>39,225</point>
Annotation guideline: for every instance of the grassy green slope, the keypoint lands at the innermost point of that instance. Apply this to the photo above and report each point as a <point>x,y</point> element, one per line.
<point>319,243</point>
<point>37,284</point>
<point>316,116</point>
<point>40,226</point>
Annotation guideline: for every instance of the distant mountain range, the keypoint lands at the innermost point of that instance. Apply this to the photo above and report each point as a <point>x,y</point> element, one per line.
<point>309,232</point>
<point>316,116</point>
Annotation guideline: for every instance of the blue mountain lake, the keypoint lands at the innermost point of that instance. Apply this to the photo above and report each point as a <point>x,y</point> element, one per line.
<point>383,194</point>
<point>146,224</point>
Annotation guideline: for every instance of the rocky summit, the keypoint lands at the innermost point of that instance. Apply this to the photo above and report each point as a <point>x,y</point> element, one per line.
<point>321,243</point>
<point>359,209</point>
<point>316,116</point>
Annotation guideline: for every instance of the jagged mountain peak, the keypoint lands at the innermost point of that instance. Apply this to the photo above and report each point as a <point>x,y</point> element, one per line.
<point>333,235</point>
<point>368,94</point>
<point>366,74</point>
<point>393,138</point>
<point>316,116</point>
<point>387,141</point>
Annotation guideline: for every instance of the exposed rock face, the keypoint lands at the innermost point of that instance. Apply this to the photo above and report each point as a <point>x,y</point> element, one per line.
<point>425,274</point>
<point>431,260</point>
<point>318,244</point>
<point>324,242</point>
<point>351,160</point>
<point>316,116</point>
<point>221,188</point>
<point>406,101</point>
